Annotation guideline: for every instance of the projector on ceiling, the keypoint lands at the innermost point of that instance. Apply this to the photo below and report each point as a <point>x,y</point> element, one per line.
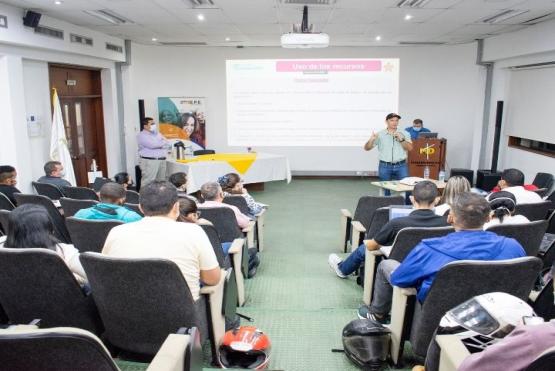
<point>305,40</point>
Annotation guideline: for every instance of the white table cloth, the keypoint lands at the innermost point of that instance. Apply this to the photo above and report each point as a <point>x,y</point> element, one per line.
<point>266,168</point>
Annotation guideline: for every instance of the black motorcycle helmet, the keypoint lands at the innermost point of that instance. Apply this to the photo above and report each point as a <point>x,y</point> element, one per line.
<point>366,343</point>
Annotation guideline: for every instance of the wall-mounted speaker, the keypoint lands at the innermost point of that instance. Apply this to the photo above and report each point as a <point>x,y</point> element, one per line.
<point>31,19</point>
<point>141,113</point>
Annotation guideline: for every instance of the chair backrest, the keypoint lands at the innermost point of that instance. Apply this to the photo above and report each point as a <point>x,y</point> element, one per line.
<point>48,190</point>
<point>4,215</point>
<point>216,243</point>
<point>71,206</point>
<point>544,362</point>
<point>238,201</point>
<point>379,219</point>
<point>141,301</point>
<point>89,235</point>
<point>5,203</point>
<point>36,283</point>
<point>134,207</point>
<point>131,197</point>
<point>80,193</point>
<point>367,206</point>
<point>60,348</point>
<point>223,219</point>
<point>408,238</point>
<point>459,281</point>
<point>543,180</point>
<point>537,211</point>
<point>99,182</point>
<point>199,152</point>
<point>60,230</point>
<point>529,235</point>
<point>543,305</point>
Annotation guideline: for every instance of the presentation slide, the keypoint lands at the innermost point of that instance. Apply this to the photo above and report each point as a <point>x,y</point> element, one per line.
<point>316,102</point>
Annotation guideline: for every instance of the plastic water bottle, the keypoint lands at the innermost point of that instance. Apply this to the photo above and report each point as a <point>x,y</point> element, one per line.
<point>426,172</point>
<point>441,176</point>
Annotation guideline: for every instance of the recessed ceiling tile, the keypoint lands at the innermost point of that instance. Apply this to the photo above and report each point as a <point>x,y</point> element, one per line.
<point>343,28</point>
<point>216,29</point>
<point>487,4</point>
<point>397,15</point>
<point>349,16</point>
<point>260,28</point>
<point>365,4</point>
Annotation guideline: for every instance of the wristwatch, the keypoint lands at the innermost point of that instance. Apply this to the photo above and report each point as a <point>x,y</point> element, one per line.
<point>401,140</point>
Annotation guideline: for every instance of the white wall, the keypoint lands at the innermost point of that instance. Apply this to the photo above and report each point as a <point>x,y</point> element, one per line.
<point>528,46</point>
<point>25,90</point>
<point>18,34</point>
<point>440,84</point>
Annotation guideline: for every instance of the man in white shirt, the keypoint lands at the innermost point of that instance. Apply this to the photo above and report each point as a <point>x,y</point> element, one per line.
<point>159,235</point>
<point>214,196</point>
<point>512,180</point>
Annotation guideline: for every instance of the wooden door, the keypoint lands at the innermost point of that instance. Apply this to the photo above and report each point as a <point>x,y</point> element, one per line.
<point>81,102</point>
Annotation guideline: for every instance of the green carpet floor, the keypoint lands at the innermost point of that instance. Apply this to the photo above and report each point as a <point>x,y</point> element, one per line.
<point>295,297</point>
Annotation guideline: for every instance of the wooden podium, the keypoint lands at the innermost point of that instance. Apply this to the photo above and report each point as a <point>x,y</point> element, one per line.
<point>427,152</point>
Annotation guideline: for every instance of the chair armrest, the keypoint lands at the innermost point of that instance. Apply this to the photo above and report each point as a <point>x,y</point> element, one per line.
<point>410,291</point>
<point>214,299</point>
<point>236,255</point>
<point>358,226</point>
<point>171,356</point>
<point>357,232</point>
<point>453,352</point>
<point>249,227</point>
<point>346,213</point>
<point>345,228</point>
<point>260,221</point>
<point>370,265</point>
<point>398,314</point>
<point>236,246</point>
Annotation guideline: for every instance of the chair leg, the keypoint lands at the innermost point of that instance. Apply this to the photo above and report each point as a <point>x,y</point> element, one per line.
<point>260,231</point>
<point>370,263</point>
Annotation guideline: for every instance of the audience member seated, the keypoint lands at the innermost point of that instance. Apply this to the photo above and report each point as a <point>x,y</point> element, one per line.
<point>8,180</point>
<point>454,187</point>
<point>503,206</point>
<point>179,180</point>
<point>159,235</point>
<point>30,226</point>
<point>516,351</point>
<point>54,174</point>
<point>213,195</point>
<point>112,197</point>
<point>468,215</point>
<point>233,185</point>
<point>424,198</point>
<point>189,213</point>
<point>124,179</point>
<point>512,180</point>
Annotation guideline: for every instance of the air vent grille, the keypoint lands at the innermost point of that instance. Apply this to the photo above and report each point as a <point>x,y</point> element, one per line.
<point>183,43</point>
<point>421,43</point>
<point>80,39</point>
<point>204,4</point>
<point>309,2</point>
<point>50,32</point>
<point>537,19</point>
<point>114,48</point>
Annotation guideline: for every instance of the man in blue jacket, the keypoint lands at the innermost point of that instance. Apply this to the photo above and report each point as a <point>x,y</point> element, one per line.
<point>469,242</point>
<point>416,128</point>
<point>112,196</point>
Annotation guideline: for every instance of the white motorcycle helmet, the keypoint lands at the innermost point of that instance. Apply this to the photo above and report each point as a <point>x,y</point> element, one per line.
<point>484,319</point>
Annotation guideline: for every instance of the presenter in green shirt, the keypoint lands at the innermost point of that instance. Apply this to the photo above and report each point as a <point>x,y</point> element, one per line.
<point>393,146</point>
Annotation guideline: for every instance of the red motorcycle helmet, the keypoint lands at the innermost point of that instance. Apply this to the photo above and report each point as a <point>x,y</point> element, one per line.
<point>245,347</point>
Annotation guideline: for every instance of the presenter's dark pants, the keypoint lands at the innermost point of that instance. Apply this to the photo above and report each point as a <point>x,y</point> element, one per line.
<point>392,171</point>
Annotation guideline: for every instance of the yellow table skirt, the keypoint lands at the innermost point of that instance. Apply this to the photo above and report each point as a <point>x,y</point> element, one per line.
<point>239,161</point>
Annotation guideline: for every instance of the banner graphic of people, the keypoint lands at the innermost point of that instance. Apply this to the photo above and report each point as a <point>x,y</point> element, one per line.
<point>183,118</point>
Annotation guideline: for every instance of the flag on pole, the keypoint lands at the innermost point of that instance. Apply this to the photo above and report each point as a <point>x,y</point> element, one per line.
<point>59,150</point>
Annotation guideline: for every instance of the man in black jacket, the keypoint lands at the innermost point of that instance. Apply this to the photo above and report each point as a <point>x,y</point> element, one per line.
<point>8,180</point>
<point>425,197</point>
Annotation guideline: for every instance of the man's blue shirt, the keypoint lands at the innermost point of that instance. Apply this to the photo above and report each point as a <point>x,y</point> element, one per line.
<point>420,267</point>
<point>414,134</point>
